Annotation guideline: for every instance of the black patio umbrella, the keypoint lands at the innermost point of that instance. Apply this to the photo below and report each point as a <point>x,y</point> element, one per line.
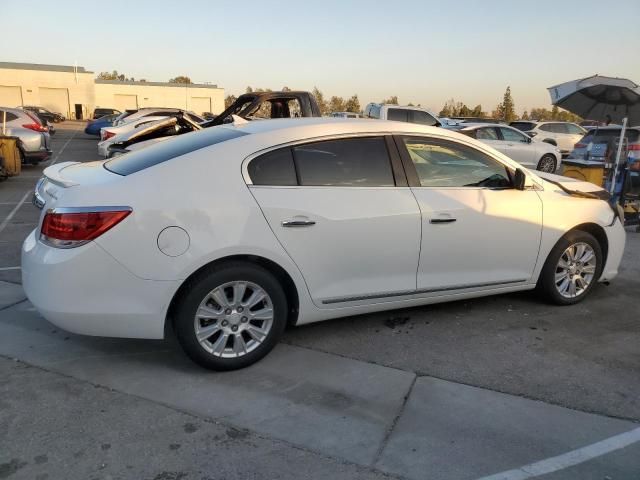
<point>596,98</point>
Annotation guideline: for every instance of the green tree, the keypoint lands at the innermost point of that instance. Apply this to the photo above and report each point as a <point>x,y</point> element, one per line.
<point>477,111</point>
<point>248,90</point>
<point>353,104</point>
<point>336,104</point>
<point>180,79</point>
<point>506,110</point>
<point>525,115</point>
<point>286,89</point>
<point>393,100</point>
<point>114,75</point>
<point>322,103</point>
<point>228,101</point>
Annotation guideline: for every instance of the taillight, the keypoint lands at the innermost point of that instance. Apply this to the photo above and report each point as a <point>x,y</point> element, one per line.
<point>580,145</point>
<point>72,227</point>
<point>35,127</point>
<point>106,134</point>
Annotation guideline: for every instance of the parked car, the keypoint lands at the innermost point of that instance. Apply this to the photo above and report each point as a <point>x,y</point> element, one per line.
<point>231,233</point>
<point>601,144</point>
<point>269,105</point>
<point>43,113</point>
<point>156,112</point>
<point>516,145</point>
<point>345,115</point>
<point>34,144</point>
<point>103,112</point>
<point>397,113</point>
<point>109,135</point>
<point>151,133</point>
<point>476,120</point>
<point>251,106</point>
<point>94,126</point>
<point>562,134</point>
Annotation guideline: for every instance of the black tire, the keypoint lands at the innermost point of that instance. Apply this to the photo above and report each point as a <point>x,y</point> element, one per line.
<point>546,282</point>
<point>204,283</point>
<point>545,162</point>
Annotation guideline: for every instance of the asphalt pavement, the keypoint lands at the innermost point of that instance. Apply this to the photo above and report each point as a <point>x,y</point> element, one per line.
<point>503,387</point>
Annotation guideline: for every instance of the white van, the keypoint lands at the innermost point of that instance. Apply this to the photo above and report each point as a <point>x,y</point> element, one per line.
<point>418,115</point>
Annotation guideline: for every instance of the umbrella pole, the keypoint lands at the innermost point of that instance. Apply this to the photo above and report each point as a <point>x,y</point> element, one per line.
<point>618,153</point>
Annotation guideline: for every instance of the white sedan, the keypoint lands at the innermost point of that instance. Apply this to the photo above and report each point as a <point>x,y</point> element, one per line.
<point>111,135</point>
<point>231,233</point>
<point>525,150</point>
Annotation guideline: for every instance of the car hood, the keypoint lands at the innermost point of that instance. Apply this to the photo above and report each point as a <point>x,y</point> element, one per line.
<point>570,183</point>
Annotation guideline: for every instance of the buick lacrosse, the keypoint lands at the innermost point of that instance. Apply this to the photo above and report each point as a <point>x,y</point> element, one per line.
<point>230,234</point>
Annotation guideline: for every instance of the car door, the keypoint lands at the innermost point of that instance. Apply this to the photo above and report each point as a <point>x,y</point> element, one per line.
<point>478,231</point>
<point>518,146</point>
<point>344,214</point>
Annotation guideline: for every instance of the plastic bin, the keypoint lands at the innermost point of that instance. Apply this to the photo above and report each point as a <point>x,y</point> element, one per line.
<point>587,170</point>
<point>10,156</point>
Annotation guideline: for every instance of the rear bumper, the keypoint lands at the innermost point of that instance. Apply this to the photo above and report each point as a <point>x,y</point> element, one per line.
<point>39,156</point>
<point>84,290</point>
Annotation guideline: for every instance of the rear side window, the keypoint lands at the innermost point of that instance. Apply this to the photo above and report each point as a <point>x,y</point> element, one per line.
<point>398,115</point>
<point>153,155</point>
<point>273,168</point>
<point>487,134</point>
<point>10,116</point>
<point>357,162</point>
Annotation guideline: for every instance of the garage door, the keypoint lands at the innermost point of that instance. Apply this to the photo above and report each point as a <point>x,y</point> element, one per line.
<point>55,99</point>
<point>200,104</point>
<point>10,96</point>
<point>125,102</point>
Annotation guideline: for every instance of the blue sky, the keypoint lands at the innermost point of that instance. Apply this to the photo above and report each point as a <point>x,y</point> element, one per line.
<point>422,51</point>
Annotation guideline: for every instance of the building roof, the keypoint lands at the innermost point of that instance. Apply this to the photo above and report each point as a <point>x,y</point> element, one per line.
<point>156,84</point>
<point>43,67</point>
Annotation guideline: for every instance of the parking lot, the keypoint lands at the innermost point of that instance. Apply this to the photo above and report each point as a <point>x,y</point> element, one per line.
<point>503,387</point>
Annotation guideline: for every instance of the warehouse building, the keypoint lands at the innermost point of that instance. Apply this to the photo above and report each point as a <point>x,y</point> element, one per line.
<point>74,91</point>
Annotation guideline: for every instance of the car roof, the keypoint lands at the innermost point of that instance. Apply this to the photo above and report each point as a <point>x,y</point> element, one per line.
<point>473,126</point>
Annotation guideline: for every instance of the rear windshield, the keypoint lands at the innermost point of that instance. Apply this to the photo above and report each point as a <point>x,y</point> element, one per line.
<point>605,135</point>
<point>153,155</point>
<point>523,126</point>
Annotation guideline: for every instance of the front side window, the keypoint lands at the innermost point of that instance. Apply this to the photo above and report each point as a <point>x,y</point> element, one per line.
<point>575,129</point>
<point>441,163</point>
<point>398,115</point>
<point>511,135</point>
<point>357,162</point>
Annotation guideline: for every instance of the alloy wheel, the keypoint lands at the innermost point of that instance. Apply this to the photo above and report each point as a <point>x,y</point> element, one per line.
<point>233,319</point>
<point>575,270</point>
<point>547,164</point>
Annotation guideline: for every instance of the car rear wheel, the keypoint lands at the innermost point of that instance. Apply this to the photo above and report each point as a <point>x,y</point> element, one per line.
<point>572,268</point>
<point>231,316</point>
<point>547,163</point>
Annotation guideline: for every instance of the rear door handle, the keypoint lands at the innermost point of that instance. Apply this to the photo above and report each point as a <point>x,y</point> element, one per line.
<point>442,220</point>
<point>298,223</point>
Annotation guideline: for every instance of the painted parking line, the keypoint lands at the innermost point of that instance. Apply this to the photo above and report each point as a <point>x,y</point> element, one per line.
<point>4,269</point>
<point>6,221</point>
<point>569,459</point>
<point>55,159</point>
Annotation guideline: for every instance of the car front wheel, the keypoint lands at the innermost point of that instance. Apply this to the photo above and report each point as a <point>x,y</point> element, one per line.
<point>230,316</point>
<point>572,268</point>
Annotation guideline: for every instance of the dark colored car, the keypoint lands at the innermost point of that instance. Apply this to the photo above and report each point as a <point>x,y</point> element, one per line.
<point>93,126</point>
<point>44,114</point>
<point>103,112</point>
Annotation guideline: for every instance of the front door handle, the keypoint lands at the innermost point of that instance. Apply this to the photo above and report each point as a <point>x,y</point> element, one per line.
<point>298,223</point>
<point>442,220</point>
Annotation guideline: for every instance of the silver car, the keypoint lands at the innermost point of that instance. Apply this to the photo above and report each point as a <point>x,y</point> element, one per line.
<point>35,141</point>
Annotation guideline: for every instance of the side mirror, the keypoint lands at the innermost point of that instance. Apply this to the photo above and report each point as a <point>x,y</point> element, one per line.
<point>519,179</point>
<point>529,139</point>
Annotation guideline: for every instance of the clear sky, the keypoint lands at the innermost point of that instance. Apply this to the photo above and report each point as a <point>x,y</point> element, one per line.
<point>422,51</point>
